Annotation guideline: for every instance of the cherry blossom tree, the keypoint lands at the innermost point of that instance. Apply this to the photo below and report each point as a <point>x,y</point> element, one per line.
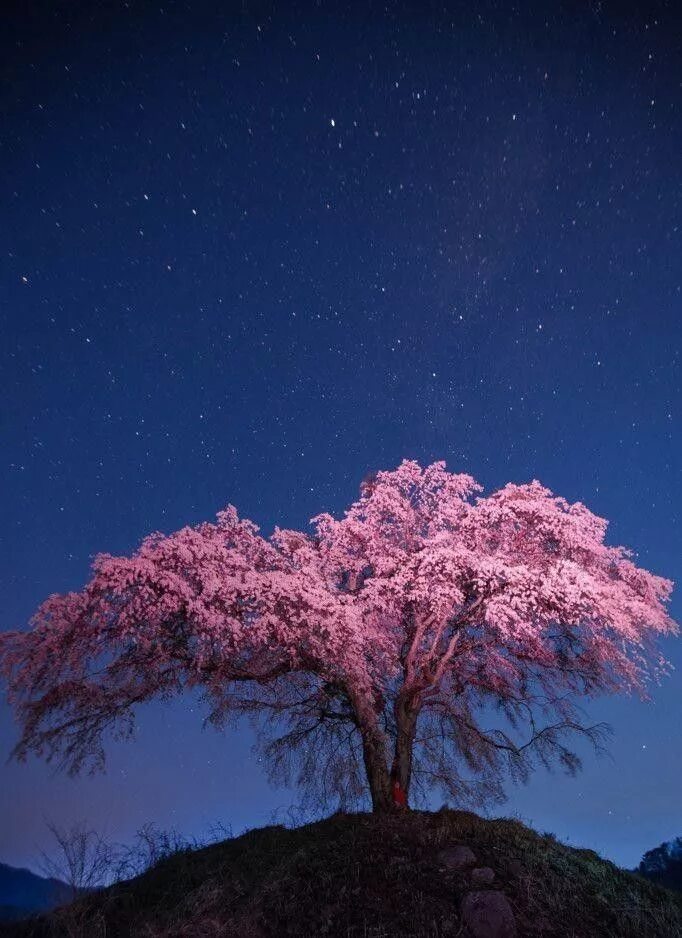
<point>429,637</point>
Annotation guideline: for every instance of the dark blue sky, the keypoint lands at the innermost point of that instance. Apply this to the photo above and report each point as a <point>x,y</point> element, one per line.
<point>248,256</point>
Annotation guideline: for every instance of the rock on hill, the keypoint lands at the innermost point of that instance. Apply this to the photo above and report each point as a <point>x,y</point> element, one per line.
<point>415,874</point>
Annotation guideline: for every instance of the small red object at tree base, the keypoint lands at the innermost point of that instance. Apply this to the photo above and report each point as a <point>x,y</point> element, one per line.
<point>399,799</point>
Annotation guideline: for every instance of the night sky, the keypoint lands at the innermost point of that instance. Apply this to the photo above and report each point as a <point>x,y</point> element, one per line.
<point>250,256</point>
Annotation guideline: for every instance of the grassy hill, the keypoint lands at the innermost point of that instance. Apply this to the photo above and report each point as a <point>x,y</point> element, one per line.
<point>360,876</point>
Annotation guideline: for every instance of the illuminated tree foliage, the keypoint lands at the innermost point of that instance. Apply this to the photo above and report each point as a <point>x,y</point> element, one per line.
<point>431,637</point>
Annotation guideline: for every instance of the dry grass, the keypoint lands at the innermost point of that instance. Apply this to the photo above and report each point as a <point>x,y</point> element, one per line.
<point>359,876</point>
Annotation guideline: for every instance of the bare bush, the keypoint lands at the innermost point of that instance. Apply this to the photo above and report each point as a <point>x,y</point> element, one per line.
<point>80,857</point>
<point>152,845</point>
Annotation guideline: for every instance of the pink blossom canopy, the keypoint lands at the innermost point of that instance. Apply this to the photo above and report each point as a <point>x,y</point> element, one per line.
<point>422,589</point>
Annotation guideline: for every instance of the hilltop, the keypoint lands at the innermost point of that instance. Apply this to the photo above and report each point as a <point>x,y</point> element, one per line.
<point>361,876</point>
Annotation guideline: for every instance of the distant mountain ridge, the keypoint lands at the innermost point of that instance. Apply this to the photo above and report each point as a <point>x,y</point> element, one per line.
<point>23,893</point>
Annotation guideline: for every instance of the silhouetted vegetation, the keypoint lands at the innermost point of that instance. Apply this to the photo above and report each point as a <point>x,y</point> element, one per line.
<point>663,864</point>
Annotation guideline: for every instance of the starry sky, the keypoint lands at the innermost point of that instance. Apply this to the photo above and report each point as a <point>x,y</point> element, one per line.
<point>250,252</point>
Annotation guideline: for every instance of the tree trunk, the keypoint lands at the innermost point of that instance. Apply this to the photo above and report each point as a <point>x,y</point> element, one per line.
<point>406,727</point>
<point>374,754</point>
<point>373,748</point>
